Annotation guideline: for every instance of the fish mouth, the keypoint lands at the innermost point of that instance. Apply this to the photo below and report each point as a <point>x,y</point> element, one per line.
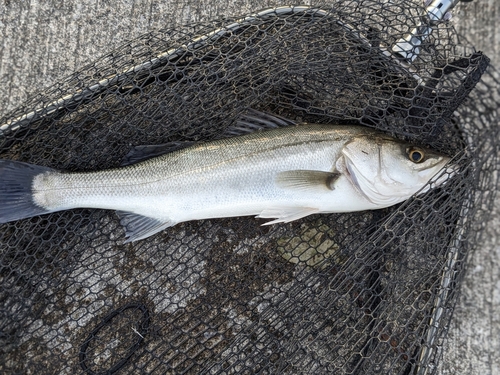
<point>443,175</point>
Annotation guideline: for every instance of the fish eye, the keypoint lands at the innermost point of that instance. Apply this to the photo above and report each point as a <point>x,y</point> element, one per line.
<point>416,155</point>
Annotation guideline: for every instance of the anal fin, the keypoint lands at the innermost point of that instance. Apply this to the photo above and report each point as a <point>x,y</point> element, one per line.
<point>286,214</point>
<point>138,227</point>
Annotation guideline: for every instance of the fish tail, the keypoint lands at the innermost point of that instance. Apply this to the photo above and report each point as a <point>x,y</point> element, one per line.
<point>16,190</point>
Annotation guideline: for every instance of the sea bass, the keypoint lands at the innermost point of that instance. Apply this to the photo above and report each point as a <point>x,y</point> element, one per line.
<point>282,173</point>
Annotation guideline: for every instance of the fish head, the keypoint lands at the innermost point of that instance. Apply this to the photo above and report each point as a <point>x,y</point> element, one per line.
<point>387,171</point>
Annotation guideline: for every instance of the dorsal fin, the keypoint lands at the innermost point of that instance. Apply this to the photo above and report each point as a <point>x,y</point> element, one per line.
<point>253,120</point>
<point>142,153</point>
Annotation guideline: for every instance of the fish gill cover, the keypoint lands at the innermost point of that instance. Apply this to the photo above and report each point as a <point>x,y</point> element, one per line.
<point>359,293</point>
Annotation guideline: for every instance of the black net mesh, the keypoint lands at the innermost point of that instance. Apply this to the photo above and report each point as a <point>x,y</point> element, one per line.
<point>359,293</point>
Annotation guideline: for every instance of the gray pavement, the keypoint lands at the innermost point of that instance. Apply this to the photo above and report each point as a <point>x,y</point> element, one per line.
<point>44,41</point>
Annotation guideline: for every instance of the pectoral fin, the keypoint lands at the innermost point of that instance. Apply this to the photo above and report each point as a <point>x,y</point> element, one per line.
<point>138,227</point>
<point>307,180</point>
<point>286,214</point>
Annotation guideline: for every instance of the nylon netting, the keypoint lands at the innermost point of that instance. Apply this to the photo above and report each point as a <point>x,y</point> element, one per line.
<point>361,293</point>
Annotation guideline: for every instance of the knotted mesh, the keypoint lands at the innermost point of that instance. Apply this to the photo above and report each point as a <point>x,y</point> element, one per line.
<point>360,293</point>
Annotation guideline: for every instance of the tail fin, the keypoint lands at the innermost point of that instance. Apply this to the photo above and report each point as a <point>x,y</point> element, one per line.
<point>16,197</point>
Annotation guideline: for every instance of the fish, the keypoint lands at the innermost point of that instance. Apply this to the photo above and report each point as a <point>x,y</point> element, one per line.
<point>266,166</point>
